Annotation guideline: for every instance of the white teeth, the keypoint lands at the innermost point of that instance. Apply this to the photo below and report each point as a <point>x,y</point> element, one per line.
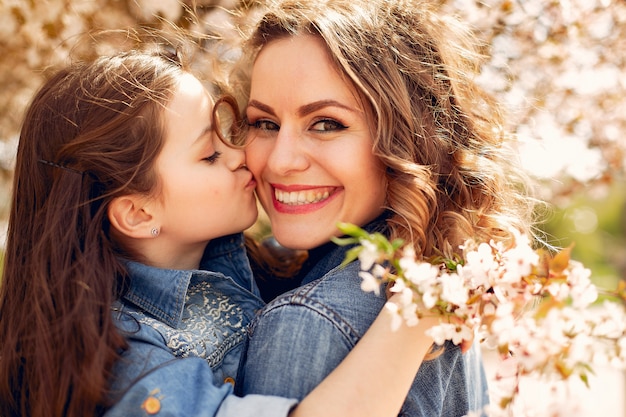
<point>301,197</point>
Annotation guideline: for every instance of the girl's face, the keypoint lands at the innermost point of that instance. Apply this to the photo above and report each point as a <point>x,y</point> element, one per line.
<point>207,191</point>
<point>310,145</point>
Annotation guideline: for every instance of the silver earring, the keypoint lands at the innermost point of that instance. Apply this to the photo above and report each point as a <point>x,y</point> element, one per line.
<point>154,232</point>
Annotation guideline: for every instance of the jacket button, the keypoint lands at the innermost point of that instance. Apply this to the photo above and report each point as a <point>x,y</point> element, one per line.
<point>152,405</point>
<point>229,380</point>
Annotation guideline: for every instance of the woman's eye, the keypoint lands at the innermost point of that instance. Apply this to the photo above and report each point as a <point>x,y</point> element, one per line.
<point>213,157</point>
<point>263,124</point>
<point>327,125</point>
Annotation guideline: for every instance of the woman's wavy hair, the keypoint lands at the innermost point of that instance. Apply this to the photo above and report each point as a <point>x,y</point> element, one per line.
<point>450,172</point>
<point>91,134</point>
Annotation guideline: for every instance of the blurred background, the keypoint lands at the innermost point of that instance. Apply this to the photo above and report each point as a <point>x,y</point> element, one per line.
<point>559,65</point>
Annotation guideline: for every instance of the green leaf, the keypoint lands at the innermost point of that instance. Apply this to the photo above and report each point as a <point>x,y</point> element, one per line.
<point>351,255</point>
<point>381,242</point>
<point>585,379</point>
<point>397,244</point>
<point>344,241</point>
<point>352,230</point>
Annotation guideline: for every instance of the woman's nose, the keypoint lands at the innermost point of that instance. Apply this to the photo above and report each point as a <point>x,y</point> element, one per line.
<point>288,154</point>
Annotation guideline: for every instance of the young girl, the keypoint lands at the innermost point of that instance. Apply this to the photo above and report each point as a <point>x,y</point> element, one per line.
<point>126,290</point>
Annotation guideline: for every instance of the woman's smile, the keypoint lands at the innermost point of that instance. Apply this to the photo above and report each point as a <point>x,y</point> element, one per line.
<point>300,197</point>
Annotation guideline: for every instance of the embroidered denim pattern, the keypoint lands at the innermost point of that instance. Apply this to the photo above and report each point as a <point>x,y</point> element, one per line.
<point>212,324</point>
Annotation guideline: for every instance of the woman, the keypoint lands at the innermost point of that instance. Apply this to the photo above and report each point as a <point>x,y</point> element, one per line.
<point>365,111</point>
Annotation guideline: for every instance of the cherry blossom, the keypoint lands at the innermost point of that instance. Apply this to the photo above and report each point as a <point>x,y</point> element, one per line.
<point>537,309</point>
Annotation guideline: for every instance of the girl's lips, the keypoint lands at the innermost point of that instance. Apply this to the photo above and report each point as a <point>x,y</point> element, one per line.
<point>302,199</point>
<point>251,183</point>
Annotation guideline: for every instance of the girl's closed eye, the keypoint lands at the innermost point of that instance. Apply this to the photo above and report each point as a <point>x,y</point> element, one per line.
<point>211,159</point>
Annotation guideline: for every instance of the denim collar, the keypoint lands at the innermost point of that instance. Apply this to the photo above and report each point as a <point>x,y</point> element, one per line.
<point>162,292</point>
<point>159,292</point>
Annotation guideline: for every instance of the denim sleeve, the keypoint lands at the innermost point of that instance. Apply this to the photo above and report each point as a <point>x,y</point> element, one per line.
<point>295,343</point>
<point>184,387</point>
<point>291,349</point>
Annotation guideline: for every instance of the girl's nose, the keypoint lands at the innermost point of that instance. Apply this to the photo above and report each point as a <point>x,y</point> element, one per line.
<point>235,157</point>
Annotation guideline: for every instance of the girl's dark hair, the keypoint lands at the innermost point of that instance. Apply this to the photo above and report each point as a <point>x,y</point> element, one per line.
<point>91,133</point>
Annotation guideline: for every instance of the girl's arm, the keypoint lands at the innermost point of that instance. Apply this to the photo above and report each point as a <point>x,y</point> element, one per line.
<point>375,377</point>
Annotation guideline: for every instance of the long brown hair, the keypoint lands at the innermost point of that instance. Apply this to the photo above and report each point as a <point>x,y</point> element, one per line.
<point>442,139</point>
<point>91,133</point>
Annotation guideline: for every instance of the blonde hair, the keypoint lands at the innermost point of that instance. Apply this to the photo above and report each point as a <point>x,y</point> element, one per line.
<point>450,171</point>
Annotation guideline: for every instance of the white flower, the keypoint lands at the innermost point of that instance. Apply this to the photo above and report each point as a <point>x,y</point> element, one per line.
<point>449,331</point>
<point>406,299</point>
<point>583,292</point>
<point>409,314</point>
<point>453,289</point>
<point>398,286</point>
<point>369,283</point>
<point>379,271</point>
<point>609,321</point>
<point>518,261</point>
<point>474,280</point>
<point>419,273</point>
<point>396,318</point>
<point>480,264</point>
<point>430,296</point>
<point>368,255</point>
<point>408,255</point>
<point>489,310</point>
<point>559,291</point>
<point>442,332</point>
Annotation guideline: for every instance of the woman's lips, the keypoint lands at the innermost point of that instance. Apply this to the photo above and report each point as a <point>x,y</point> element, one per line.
<point>301,199</point>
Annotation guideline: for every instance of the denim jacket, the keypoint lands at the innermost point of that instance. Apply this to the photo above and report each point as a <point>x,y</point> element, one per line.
<point>301,336</point>
<point>185,331</point>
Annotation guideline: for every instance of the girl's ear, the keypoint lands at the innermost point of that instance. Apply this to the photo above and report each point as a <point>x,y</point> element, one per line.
<point>129,215</point>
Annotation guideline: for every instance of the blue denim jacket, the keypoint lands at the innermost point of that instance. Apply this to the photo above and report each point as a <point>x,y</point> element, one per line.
<point>301,336</point>
<point>186,331</point>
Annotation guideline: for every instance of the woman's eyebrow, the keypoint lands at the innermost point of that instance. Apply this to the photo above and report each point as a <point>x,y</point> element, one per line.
<point>305,109</point>
<point>317,105</point>
<point>263,107</point>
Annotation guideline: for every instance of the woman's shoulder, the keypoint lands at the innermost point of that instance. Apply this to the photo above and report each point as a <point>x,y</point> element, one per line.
<point>335,299</point>
<point>335,285</point>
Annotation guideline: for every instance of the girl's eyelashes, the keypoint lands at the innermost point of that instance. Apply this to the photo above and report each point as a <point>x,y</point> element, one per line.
<point>213,157</point>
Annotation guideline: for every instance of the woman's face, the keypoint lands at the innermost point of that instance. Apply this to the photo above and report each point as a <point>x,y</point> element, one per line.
<point>310,145</point>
